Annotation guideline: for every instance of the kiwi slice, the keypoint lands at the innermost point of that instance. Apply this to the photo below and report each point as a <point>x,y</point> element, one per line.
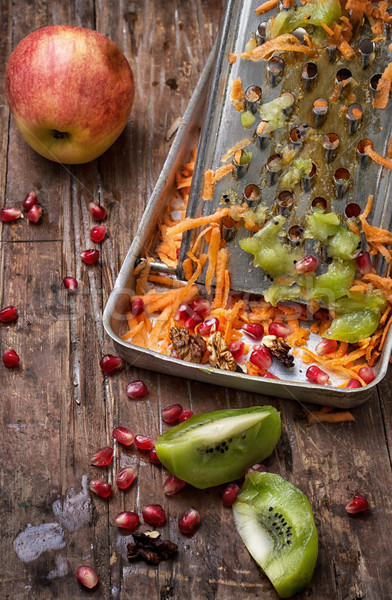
<point>213,448</point>
<point>275,521</point>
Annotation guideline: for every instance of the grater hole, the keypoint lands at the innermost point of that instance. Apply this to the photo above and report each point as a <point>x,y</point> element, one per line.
<point>251,192</point>
<point>297,134</point>
<point>331,141</point>
<point>361,148</point>
<point>352,210</point>
<point>309,71</point>
<point>354,112</point>
<point>320,106</point>
<point>374,81</point>
<point>286,199</point>
<point>319,203</point>
<point>261,32</point>
<point>274,163</point>
<point>343,75</point>
<point>276,65</point>
<point>342,175</point>
<point>295,233</point>
<point>253,93</point>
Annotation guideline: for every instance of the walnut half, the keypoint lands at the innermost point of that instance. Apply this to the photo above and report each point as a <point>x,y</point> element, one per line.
<point>221,357</point>
<point>279,349</point>
<point>190,347</point>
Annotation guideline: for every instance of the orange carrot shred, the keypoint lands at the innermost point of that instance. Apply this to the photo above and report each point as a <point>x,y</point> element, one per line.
<point>266,6</point>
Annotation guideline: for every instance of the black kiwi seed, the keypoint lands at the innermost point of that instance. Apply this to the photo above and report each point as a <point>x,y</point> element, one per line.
<point>284,524</point>
<point>243,436</point>
<point>270,508</point>
<point>280,516</point>
<point>289,534</point>
<point>276,514</point>
<point>289,542</point>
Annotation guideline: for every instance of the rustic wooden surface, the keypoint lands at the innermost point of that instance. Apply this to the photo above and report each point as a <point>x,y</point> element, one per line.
<point>58,408</point>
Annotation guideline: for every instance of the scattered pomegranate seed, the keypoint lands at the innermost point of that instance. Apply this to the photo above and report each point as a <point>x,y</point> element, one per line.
<point>193,320</point>
<point>125,477</point>
<point>173,485</point>
<point>367,374</point>
<point>230,494</point>
<point>127,520</point>
<point>123,435</point>
<point>137,389</point>
<point>261,357</point>
<point>257,467</point>
<point>183,313</point>
<point>254,330</point>
<point>137,306</point>
<point>70,283</point>
<point>34,214</point>
<point>201,306</point>
<point>103,457</point>
<point>97,211</point>
<point>357,504</point>
<point>153,457</point>
<point>353,383</point>
<point>87,576</point>
<point>326,346</point>
<point>10,213</point>
<point>143,442</point>
<point>208,326</point>
<point>89,256</point>
<point>101,488</point>
<point>269,375</point>
<point>185,415</point>
<point>237,349</point>
<point>279,329</point>
<point>10,358</point>
<point>171,413</point>
<point>109,363</point>
<point>153,514</point>
<point>98,233</point>
<point>8,314</point>
<point>189,521</point>
<point>30,200</point>
<point>316,375</point>
<point>364,262</point>
<point>307,264</point>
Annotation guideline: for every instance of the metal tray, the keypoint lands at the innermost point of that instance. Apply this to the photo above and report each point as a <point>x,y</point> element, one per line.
<point>201,110</point>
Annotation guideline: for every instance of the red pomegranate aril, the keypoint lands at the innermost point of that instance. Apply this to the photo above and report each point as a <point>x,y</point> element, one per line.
<point>208,326</point>
<point>254,330</point>
<point>87,576</point>
<point>98,233</point>
<point>10,358</point>
<point>357,504</point>
<point>326,346</point>
<point>153,514</point>
<point>201,306</point>
<point>34,214</point>
<point>109,363</point>
<point>137,389</point>
<point>70,283</point>
<point>143,442</point>
<point>193,320</point>
<point>125,477</point>
<point>261,357</point>
<point>364,262</point>
<point>237,349</point>
<point>101,488</point>
<point>8,314</point>
<point>127,520</point>
<point>189,521</point>
<point>89,256</point>
<point>10,213</point>
<point>279,329</point>
<point>269,375</point>
<point>97,211</point>
<point>137,306</point>
<point>353,383</point>
<point>183,313</point>
<point>123,435</point>
<point>307,264</point>
<point>185,415</point>
<point>230,494</point>
<point>103,457</point>
<point>316,375</point>
<point>171,413</point>
<point>257,467</point>
<point>367,374</point>
<point>153,457</point>
<point>173,485</point>
<point>30,200</point>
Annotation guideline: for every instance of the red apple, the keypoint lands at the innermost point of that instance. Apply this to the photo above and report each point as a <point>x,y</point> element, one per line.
<point>70,91</point>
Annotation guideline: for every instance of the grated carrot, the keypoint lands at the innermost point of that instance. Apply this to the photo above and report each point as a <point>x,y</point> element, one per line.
<point>331,417</point>
<point>220,277</point>
<point>238,146</point>
<point>213,250</point>
<point>189,223</point>
<point>237,95</point>
<point>266,6</point>
<point>168,281</point>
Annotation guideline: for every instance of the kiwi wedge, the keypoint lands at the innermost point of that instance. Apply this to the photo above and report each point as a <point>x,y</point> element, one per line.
<point>275,521</point>
<point>213,448</point>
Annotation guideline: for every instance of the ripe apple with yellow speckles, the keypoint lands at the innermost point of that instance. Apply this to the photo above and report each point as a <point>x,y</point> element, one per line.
<point>70,91</point>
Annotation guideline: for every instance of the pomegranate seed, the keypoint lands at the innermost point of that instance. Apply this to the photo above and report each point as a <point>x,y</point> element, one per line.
<point>261,357</point>
<point>184,416</point>
<point>103,457</point>
<point>8,314</point>
<point>123,435</point>
<point>89,256</point>
<point>137,389</point>
<point>101,488</point>
<point>269,375</point>
<point>10,214</point>
<point>143,442</point>
<point>189,521</point>
<point>367,374</point>
<point>237,350</point>
<point>364,262</point>
<point>254,330</point>
<point>137,306</point>
<point>171,413</point>
<point>201,306</point>
<point>127,520</point>
<point>279,329</point>
<point>257,467</point>
<point>98,233</point>
<point>97,211</point>
<point>173,485</point>
<point>357,504</point>
<point>353,383</point>
<point>10,358</point>
<point>316,375</point>
<point>183,313</point>
<point>326,346</point>
<point>109,363</point>
<point>209,326</point>
<point>307,264</point>
<point>87,576</point>
<point>125,477</point>
<point>153,457</point>
<point>192,321</point>
<point>30,200</point>
<point>70,283</point>
<point>153,514</point>
<point>34,214</point>
<point>230,494</point>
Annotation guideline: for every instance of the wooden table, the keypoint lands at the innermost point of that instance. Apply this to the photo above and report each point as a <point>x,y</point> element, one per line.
<point>58,407</point>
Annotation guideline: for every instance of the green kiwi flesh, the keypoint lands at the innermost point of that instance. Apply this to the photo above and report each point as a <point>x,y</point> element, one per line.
<point>217,447</point>
<point>275,521</point>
